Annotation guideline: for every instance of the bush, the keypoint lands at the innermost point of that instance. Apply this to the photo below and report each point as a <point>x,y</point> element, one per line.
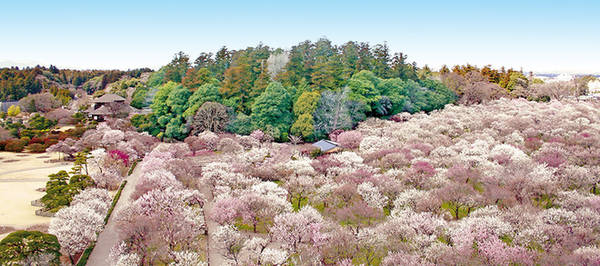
<point>36,140</point>
<point>50,141</point>
<point>15,145</point>
<point>13,110</point>
<point>40,123</point>
<point>315,153</point>
<point>37,248</point>
<point>36,147</point>
<point>59,193</point>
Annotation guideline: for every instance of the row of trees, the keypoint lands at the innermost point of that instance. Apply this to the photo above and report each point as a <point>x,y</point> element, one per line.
<point>17,83</point>
<point>308,91</point>
<point>479,85</point>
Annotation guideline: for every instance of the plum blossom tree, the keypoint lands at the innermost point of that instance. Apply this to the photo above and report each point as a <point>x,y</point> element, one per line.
<point>160,179</point>
<point>159,223</point>
<point>76,227</point>
<point>66,147</point>
<point>350,139</point>
<point>231,240</point>
<point>96,199</point>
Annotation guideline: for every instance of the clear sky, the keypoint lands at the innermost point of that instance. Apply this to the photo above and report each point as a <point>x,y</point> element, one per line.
<point>542,36</point>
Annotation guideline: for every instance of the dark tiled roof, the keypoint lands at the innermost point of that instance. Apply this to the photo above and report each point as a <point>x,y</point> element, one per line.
<point>325,145</point>
<point>109,98</point>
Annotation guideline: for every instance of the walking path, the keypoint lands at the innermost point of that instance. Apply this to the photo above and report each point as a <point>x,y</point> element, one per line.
<point>214,251</point>
<point>110,237</point>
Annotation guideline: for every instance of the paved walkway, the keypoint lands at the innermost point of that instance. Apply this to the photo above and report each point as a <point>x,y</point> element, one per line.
<point>110,237</point>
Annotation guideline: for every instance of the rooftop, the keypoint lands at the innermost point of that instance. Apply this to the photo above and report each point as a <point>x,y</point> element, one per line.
<point>326,145</point>
<point>109,98</point>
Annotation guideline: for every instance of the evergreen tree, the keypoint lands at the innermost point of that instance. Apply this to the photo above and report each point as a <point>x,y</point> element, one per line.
<point>273,109</point>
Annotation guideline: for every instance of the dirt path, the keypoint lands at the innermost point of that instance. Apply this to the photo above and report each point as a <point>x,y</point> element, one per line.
<point>110,237</point>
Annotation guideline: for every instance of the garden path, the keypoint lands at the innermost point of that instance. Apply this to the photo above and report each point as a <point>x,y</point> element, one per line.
<point>109,237</point>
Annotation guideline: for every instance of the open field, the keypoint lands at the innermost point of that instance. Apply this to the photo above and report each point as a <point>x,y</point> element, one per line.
<point>20,175</point>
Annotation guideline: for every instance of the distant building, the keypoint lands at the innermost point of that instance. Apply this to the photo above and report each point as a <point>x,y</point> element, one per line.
<point>108,105</point>
<point>327,146</point>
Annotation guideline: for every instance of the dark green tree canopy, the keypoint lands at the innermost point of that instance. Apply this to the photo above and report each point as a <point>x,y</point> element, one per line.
<point>19,246</point>
<point>273,108</point>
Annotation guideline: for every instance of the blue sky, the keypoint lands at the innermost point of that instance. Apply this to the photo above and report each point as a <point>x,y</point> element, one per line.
<point>542,36</point>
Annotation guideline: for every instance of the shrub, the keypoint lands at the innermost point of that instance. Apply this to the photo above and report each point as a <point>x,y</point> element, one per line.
<point>36,140</point>
<point>40,123</point>
<point>15,145</point>
<point>36,147</point>
<point>315,153</point>
<point>50,141</point>
<point>29,248</point>
<point>13,110</point>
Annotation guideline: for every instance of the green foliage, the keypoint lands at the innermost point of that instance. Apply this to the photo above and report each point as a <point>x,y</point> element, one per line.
<point>206,93</point>
<point>169,105</point>
<point>273,108</point>
<point>145,123</point>
<point>80,163</point>
<point>304,126</point>
<point>240,124</point>
<point>133,165</point>
<point>362,89</point>
<point>13,110</point>
<point>40,123</point>
<point>157,78</point>
<point>357,80</point>
<point>59,193</point>
<point>395,89</point>
<point>86,255</point>
<point>79,117</point>
<point>80,182</point>
<point>194,78</point>
<point>314,153</point>
<point>18,83</point>
<point>18,246</point>
<point>138,99</point>
<point>306,103</point>
<point>115,200</point>
<point>175,71</point>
